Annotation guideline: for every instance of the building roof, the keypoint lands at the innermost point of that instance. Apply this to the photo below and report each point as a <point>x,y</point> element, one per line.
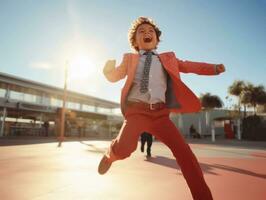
<point>36,88</point>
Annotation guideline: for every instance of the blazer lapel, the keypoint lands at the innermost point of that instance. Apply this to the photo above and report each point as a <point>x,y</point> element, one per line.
<point>167,60</point>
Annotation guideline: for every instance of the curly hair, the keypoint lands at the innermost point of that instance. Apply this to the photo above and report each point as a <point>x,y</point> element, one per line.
<point>133,29</point>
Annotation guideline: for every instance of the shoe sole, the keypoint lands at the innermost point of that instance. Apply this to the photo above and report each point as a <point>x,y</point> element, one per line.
<point>104,165</point>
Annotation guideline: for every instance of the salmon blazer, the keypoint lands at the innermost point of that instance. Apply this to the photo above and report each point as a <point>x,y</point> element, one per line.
<point>179,98</point>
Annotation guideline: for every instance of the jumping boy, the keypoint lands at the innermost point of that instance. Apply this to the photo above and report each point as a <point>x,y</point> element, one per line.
<point>152,90</point>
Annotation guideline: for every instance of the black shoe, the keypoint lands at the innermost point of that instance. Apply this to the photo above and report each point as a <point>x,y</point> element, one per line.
<point>148,154</point>
<point>142,149</point>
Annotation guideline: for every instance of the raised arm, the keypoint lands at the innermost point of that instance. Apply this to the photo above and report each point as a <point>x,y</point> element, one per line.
<point>200,68</point>
<point>113,73</point>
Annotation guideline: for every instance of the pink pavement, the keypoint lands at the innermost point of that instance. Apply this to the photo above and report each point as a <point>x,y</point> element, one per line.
<point>41,171</point>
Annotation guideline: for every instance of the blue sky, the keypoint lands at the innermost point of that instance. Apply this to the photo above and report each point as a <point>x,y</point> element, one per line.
<point>38,37</point>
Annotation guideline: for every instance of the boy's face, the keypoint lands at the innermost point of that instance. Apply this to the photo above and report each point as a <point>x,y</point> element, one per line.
<point>146,38</point>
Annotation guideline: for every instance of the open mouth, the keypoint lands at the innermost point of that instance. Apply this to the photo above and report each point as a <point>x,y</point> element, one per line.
<point>147,40</point>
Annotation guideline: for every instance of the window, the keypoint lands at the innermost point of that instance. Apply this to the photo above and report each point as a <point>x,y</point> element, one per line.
<point>73,105</point>
<point>104,110</point>
<point>56,102</point>
<point>30,98</point>
<point>16,95</point>
<point>88,108</point>
<point>2,92</point>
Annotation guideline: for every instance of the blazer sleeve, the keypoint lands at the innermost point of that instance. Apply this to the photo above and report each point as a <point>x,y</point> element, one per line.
<point>118,72</point>
<point>197,67</point>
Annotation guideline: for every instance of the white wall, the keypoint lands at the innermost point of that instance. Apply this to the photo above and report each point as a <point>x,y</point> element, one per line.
<point>184,121</point>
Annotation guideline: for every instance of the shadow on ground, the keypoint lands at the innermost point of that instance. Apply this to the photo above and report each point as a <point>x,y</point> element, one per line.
<point>27,140</point>
<point>229,143</point>
<point>94,148</point>
<point>207,168</point>
<point>11,141</point>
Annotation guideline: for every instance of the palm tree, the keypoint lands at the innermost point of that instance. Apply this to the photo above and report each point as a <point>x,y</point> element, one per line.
<point>236,89</point>
<point>245,99</point>
<point>253,95</point>
<point>262,98</point>
<point>210,102</point>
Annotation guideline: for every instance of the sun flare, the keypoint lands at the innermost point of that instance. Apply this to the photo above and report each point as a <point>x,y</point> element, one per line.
<point>80,67</point>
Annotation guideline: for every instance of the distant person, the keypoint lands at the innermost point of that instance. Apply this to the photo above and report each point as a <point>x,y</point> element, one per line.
<point>80,125</point>
<point>146,137</point>
<point>193,132</point>
<point>46,128</point>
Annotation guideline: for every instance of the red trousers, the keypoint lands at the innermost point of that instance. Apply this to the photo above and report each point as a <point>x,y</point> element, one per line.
<point>157,122</point>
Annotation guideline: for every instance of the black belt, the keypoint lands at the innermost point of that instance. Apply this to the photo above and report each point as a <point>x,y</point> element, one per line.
<point>146,106</point>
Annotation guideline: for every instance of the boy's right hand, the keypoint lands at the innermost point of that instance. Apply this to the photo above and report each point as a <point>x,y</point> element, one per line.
<point>220,68</point>
<point>109,66</point>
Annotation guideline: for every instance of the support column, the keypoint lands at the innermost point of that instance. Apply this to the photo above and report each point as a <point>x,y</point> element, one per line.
<point>181,124</point>
<point>3,122</point>
<point>213,132</point>
<point>7,95</point>
<point>110,129</point>
<point>207,118</point>
<point>41,131</point>
<point>238,129</point>
<point>64,105</point>
<point>199,127</point>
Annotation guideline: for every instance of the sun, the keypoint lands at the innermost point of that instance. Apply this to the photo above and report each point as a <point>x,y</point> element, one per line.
<point>80,67</point>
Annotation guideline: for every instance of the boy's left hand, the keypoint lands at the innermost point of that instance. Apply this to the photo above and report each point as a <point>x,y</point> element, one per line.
<point>220,68</point>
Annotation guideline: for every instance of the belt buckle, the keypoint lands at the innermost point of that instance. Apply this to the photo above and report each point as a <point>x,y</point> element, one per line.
<point>151,106</point>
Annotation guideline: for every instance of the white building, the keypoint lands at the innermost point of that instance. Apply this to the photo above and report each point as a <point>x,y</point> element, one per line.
<point>202,121</point>
<point>25,105</point>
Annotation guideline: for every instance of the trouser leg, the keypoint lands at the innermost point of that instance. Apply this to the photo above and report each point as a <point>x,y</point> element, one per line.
<point>143,141</point>
<point>149,144</point>
<point>166,131</point>
<point>126,141</point>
